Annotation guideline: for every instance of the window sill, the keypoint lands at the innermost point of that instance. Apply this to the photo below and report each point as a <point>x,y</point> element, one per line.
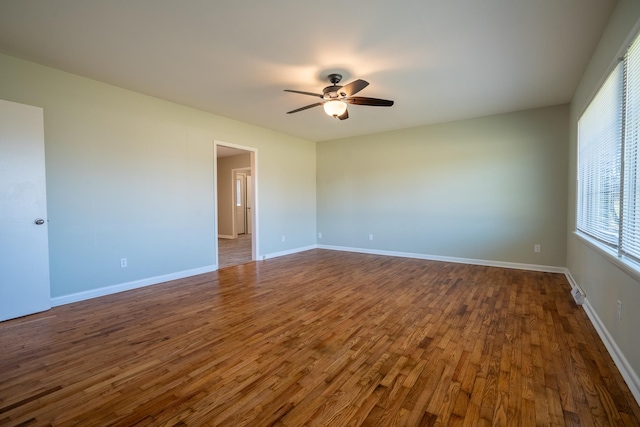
<point>630,267</point>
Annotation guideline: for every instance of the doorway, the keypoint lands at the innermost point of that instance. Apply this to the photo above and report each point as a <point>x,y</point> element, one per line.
<point>236,220</point>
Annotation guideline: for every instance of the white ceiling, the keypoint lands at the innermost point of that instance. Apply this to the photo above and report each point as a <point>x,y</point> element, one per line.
<point>438,60</point>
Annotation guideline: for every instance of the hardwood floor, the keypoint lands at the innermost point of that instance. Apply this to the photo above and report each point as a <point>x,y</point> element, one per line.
<point>234,251</point>
<point>318,338</point>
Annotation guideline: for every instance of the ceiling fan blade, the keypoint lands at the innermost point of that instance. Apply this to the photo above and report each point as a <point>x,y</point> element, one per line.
<point>353,87</point>
<point>305,108</point>
<point>304,93</point>
<point>361,100</point>
<point>344,115</point>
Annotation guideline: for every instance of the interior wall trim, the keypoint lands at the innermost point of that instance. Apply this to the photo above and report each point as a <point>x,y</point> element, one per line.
<point>121,287</point>
<point>472,261</point>
<point>287,252</point>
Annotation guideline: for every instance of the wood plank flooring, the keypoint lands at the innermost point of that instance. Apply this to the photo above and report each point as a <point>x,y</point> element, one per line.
<point>234,251</point>
<point>319,338</point>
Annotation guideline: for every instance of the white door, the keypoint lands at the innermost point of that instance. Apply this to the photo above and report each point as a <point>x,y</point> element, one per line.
<point>249,198</point>
<point>24,260</point>
<point>241,218</point>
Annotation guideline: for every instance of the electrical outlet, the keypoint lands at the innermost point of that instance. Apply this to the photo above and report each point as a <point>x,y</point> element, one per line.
<point>619,310</point>
<point>536,249</point>
<point>123,262</point>
<point>370,236</point>
<point>319,235</point>
<point>284,238</point>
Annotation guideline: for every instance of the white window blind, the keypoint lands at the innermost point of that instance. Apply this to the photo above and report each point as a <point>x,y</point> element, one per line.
<point>600,161</point>
<point>608,160</point>
<point>630,244</point>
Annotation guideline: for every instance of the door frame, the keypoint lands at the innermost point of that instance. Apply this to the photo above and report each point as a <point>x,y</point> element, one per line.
<point>255,240</point>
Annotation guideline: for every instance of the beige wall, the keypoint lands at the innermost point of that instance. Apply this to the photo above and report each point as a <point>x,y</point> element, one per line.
<point>605,282</point>
<point>487,189</point>
<point>225,188</point>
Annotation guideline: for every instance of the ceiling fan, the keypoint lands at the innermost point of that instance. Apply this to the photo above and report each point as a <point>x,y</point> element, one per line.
<point>335,98</point>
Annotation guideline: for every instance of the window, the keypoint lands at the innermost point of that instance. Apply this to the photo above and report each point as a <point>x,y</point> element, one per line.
<point>608,180</point>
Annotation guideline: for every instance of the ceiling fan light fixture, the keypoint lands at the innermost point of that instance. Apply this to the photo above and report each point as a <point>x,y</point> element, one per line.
<point>335,108</point>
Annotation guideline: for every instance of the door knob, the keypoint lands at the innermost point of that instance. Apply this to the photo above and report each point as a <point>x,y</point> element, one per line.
<point>39,221</point>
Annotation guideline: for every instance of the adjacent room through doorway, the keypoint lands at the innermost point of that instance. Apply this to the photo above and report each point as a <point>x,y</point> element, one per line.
<point>235,200</point>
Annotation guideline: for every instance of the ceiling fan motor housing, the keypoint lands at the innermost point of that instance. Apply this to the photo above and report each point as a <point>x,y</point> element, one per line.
<point>331,92</point>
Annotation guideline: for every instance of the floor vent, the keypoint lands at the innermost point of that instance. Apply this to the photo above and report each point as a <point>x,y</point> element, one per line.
<point>577,295</point>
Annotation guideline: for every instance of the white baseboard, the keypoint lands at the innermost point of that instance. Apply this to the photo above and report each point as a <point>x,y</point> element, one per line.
<point>112,289</point>
<point>287,252</point>
<point>488,263</point>
<point>225,236</point>
<point>623,365</point>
